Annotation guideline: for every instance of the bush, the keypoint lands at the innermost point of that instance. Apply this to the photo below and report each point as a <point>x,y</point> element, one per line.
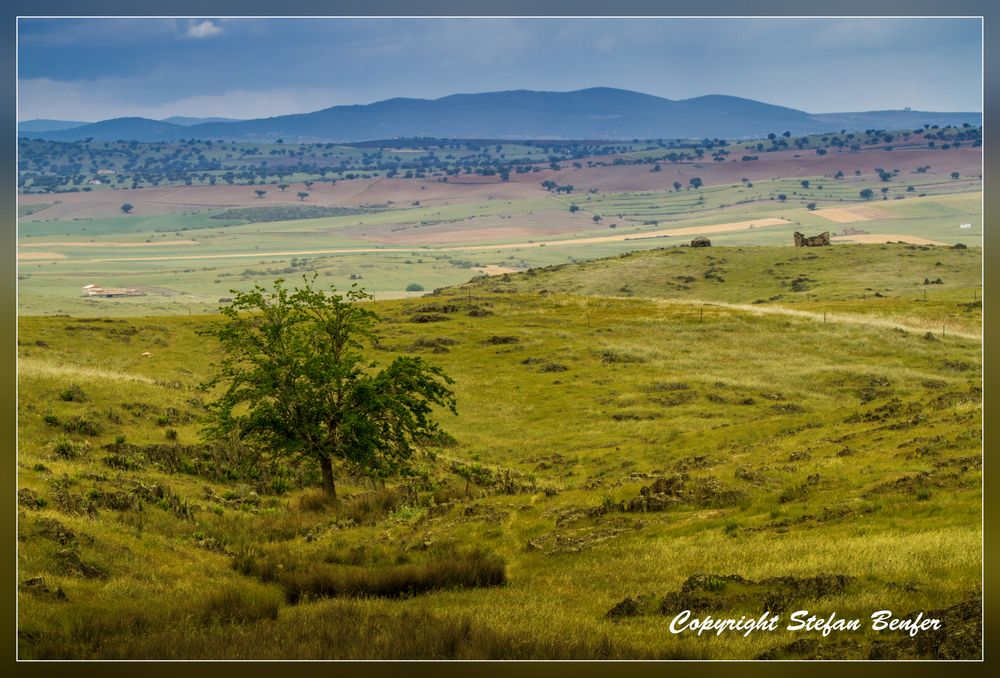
<point>63,446</point>
<point>73,394</point>
<point>83,426</point>
<point>414,287</point>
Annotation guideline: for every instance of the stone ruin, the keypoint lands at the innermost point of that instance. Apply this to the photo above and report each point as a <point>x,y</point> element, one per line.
<point>701,241</point>
<point>812,241</point>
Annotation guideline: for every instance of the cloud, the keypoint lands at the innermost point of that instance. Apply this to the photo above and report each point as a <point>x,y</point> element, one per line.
<point>204,29</point>
<point>120,97</point>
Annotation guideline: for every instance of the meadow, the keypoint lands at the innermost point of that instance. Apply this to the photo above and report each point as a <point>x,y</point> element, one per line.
<point>728,430</point>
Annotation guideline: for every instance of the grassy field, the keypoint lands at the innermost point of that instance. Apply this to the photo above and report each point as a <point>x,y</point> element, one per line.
<point>635,436</point>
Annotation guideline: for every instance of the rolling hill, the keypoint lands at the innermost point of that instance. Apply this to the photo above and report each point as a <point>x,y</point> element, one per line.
<point>597,113</point>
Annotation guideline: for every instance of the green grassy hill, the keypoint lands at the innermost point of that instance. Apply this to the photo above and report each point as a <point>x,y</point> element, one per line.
<point>619,455</point>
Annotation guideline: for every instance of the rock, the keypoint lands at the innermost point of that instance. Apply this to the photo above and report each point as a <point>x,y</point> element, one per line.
<point>627,608</point>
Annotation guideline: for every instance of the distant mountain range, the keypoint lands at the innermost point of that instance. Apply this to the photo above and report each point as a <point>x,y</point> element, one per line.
<point>599,113</point>
<point>30,127</point>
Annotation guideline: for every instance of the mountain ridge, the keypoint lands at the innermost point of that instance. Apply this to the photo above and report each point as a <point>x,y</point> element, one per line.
<point>597,113</point>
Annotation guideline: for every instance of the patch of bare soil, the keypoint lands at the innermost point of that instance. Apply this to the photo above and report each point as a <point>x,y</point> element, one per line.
<point>881,238</point>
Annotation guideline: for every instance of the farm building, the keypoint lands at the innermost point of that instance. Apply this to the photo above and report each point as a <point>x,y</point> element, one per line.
<point>107,292</point>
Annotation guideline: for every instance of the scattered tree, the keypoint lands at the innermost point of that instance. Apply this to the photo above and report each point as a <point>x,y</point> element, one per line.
<point>302,195</point>
<point>127,208</point>
<point>260,192</point>
<point>955,175</point>
<point>867,193</point>
<point>297,383</point>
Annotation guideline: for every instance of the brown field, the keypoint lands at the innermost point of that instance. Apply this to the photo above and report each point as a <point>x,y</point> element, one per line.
<point>778,165</point>
<point>539,224</point>
<point>846,215</point>
<point>671,232</point>
<point>35,256</point>
<point>881,238</point>
<point>402,192</point>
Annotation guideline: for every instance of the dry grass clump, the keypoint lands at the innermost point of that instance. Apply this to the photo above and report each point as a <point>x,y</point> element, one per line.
<point>453,569</point>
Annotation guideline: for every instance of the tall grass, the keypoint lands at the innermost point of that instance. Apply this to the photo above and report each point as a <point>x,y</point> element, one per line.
<point>456,569</point>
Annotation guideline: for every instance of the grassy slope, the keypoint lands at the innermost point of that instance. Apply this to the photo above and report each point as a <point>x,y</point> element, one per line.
<point>884,281</point>
<point>759,410</point>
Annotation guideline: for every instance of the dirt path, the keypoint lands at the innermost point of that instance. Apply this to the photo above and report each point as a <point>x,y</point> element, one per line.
<point>838,318</point>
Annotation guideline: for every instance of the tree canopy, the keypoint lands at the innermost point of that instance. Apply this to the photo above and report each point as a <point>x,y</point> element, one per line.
<point>297,383</point>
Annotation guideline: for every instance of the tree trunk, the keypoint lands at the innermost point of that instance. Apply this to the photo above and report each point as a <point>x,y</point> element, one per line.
<point>326,466</point>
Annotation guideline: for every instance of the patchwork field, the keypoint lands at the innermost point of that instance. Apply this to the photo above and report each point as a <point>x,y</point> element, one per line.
<point>217,239</point>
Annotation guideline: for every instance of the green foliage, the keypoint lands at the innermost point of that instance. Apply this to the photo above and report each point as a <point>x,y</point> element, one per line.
<point>297,382</point>
<point>73,394</point>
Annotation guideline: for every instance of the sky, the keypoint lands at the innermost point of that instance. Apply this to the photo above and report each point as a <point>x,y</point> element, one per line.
<point>95,69</point>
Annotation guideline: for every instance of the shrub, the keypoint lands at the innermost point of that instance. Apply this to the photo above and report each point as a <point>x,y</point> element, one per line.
<point>65,447</point>
<point>73,394</point>
<point>414,287</point>
<point>83,426</point>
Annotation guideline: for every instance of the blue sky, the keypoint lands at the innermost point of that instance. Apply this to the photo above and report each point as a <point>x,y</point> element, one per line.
<point>93,69</point>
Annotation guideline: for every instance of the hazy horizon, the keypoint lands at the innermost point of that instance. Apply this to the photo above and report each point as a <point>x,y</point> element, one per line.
<point>95,69</point>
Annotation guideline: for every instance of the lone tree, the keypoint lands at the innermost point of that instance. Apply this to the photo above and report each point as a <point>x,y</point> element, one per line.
<point>302,195</point>
<point>298,384</point>
<point>866,193</point>
<point>260,193</point>
<point>127,207</point>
